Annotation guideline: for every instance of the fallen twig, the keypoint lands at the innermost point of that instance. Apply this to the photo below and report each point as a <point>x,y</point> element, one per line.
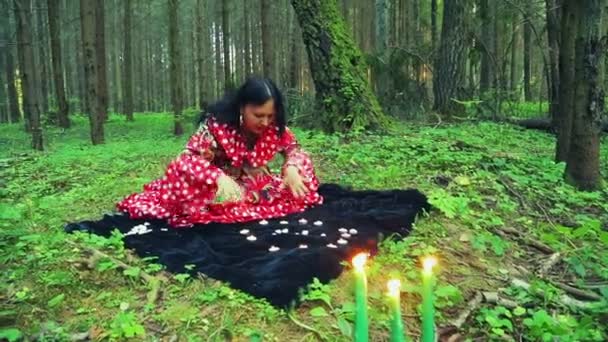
<point>306,327</point>
<point>553,260</point>
<point>495,298</point>
<point>578,292</point>
<point>502,231</point>
<point>563,299</point>
<point>154,281</point>
<point>472,305</point>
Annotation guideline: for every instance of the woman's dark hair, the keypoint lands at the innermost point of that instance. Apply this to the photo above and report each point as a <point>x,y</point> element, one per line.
<point>256,91</point>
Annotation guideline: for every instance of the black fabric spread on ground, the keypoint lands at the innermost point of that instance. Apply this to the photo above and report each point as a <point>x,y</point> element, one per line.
<point>224,252</point>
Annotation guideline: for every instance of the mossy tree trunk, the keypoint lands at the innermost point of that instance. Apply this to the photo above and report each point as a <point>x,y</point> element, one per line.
<point>338,70</point>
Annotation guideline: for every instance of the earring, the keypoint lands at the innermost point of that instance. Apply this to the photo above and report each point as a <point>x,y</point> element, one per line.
<point>241,119</point>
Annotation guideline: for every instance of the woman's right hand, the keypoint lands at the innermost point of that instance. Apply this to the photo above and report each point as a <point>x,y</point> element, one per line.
<point>228,190</point>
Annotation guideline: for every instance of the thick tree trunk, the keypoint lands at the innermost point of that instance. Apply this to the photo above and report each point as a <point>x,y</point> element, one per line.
<point>175,67</point>
<point>100,57</point>
<point>29,82</point>
<point>583,161</point>
<point>228,82</point>
<point>527,56</point>
<point>267,50</point>
<point>569,27</point>
<point>515,77</point>
<point>486,79</point>
<point>55,34</point>
<point>88,9</point>
<point>42,63</point>
<point>338,69</point>
<point>434,24</point>
<point>248,29</point>
<point>6,52</point>
<point>450,64</point>
<point>553,9</point>
<point>127,85</point>
<point>382,77</point>
<point>218,59</point>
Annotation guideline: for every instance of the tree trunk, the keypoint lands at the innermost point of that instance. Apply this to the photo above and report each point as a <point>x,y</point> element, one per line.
<point>55,34</point>
<point>29,82</point>
<point>248,29</point>
<point>175,67</point>
<point>569,27</point>
<point>527,55</point>
<point>450,63</point>
<point>381,31</point>
<point>515,75</point>
<point>42,64</point>
<point>228,82</point>
<point>88,9</point>
<point>201,34</point>
<point>434,24</point>
<point>338,69</point>
<point>583,161</point>
<point>267,51</point>
<point>14,114</point>
<point>218,59</point>
<point>553,9</point>
<point>127,85</point>
<point>100,57</point>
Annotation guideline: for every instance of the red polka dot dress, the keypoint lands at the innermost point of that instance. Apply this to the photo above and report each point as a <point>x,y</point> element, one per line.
<point>186,193</point>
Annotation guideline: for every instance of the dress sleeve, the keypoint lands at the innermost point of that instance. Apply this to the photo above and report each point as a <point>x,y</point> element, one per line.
<point>194,165</point>
<point>295,156</point>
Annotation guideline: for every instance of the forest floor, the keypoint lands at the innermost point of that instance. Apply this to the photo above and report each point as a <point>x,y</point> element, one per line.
<point>504,220</point>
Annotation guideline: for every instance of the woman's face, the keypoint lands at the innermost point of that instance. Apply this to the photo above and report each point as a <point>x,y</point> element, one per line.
<point>257,118</point>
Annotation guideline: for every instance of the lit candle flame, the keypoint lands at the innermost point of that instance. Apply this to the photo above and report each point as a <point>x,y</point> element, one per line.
<point>428,263</point>
<point>359,261</point>
<point>394,287</point>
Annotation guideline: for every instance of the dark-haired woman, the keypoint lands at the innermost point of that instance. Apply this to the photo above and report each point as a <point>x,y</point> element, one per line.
<point>222,175</point>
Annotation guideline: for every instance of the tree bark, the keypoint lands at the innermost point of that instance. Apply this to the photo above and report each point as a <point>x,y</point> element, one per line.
<point>382,37</point>
<point>228,82</point>
<point>88,9</point>
<point>29,82</point>
<point>527,55</point>
<point>175,67</point>
<point>267,51</point>
<point>14,114</point>
<point>42,64</point>
<point>553,9</point>
<point>450,64</point>
<point>515,75</point>
<point>338,69</point>
<point>569,27</point>
<point>100,57</point>
<point>127,85</point>
<point>434,24</point>
<point>55,33</point>
<point>583,161</point>
<point>201,29</point>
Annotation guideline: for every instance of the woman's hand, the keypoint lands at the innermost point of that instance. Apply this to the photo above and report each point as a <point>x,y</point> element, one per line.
<point>294,181</point>
<point>228,190</point>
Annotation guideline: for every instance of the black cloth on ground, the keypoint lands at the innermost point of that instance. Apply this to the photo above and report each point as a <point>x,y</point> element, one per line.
<point>346,223</point>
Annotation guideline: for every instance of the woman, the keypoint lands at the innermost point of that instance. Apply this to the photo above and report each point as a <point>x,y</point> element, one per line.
<point>222,175</point>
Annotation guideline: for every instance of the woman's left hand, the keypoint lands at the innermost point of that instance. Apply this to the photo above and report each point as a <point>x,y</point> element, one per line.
<point>294,181</point>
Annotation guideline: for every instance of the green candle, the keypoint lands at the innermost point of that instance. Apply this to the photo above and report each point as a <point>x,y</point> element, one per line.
<point>428,309</point>
<point>394,289</point>
<point>360,334</point>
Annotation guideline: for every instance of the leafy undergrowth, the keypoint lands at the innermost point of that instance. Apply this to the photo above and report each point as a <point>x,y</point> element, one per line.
<point>488,183</point>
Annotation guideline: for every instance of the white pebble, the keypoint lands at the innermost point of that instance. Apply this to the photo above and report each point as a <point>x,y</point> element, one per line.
<point>303,221</point>
<point>278,231</point>
<point>345,235</point>
<point>353,231</point>
<point>273,249</point>
<point>342,242</point>
<point>263,222</point>
<point>251,238</point>
<point>303,246</point>
<point>323,234</point>
<point>305,232</point>
<point>331,245</point>
<point>343,230</point>
<point>284,222</point>
<point>285,230</point>
<point>244,231</point>
<point>318,223</point>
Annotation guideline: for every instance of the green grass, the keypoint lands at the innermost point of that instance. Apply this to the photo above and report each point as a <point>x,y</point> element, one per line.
<point>479,176</point>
